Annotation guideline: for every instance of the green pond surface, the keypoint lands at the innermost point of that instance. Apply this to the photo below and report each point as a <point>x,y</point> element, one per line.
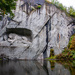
<point>37,67</point>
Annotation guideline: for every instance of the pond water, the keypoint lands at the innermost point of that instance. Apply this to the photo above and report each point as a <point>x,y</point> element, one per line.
<point>37,68</point>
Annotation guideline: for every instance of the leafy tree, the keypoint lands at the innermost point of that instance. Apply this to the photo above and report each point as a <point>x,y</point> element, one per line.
<point>6,7</point>
<point>71,11</point>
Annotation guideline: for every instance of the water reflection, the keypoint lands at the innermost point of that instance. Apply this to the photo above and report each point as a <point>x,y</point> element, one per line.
<point>33,68</point>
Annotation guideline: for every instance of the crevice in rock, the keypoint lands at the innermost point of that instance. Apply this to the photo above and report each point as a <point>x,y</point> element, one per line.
<point>71,23</point>
<point>48,26</point>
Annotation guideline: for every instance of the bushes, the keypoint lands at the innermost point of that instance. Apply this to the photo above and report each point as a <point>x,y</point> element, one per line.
<point>51,52</point>
<point>71,44</point>
<point>69,11</point>
<point>68,53</point>
<point>39,6</point>
<point>73,53</point>
<point>52,56</point>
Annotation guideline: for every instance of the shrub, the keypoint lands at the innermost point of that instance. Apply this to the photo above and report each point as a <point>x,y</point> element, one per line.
<point>51,52</point>
<point>70,11</point>
<point>71,44</point>
<point>68,53</point>
<point>39,6</point>
<point>65,55</point>
<point>73,54</point>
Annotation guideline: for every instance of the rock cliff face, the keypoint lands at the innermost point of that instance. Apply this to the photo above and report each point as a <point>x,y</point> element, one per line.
<point>34,31</point>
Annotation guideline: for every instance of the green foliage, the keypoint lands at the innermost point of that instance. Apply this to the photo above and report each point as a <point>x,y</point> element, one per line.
<point>73,54</point>
<point>39,6</point>
<point>51,52</point>
<point>71,44</point>
<point>52,57</point>
<point>73,64</point>
<point>6,6</point>
<point>69,11</point>
<point>66,54</point>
